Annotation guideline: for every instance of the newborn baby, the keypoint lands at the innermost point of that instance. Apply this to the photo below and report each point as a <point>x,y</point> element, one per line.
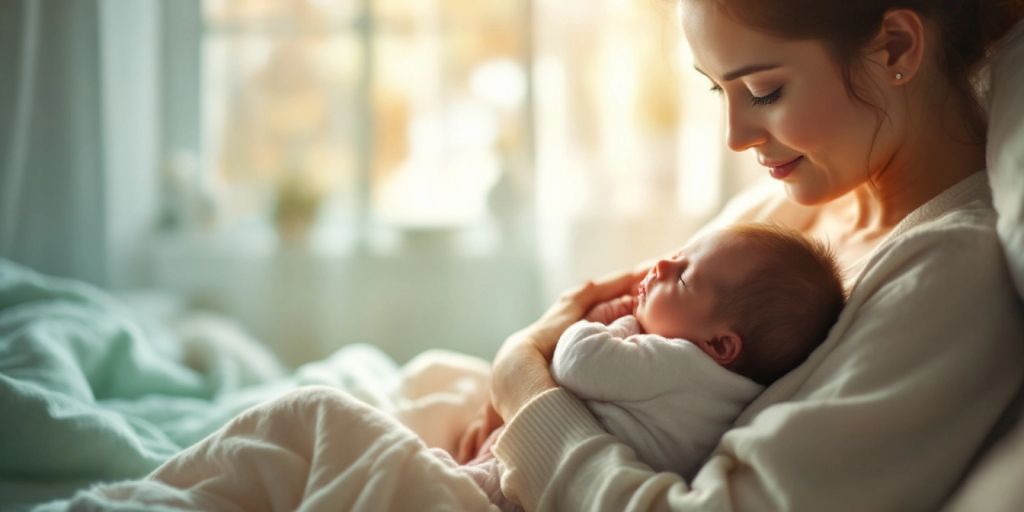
<point>706,331</point>
<point>667,370</point>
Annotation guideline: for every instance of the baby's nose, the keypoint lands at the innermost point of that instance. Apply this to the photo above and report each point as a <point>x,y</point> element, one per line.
<point>663,266</point>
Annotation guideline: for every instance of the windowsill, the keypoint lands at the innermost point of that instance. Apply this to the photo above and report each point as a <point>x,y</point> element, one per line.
<point>261,242</point>
<point>424,289</point>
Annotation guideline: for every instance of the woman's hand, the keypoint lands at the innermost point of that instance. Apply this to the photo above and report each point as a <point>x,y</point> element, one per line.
<point>520,370</point>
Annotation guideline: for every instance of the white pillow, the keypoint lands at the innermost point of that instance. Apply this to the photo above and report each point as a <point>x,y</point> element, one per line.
<point>1005,150</point>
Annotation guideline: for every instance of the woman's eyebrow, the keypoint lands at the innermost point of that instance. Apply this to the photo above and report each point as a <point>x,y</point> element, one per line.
<point>741,72</point>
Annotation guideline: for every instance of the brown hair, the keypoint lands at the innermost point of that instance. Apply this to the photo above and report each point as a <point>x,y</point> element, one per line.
<point>969,29</point>
<point>786,305</point>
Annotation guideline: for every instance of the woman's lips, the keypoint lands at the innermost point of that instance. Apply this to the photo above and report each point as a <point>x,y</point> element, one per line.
<point>781,170</point>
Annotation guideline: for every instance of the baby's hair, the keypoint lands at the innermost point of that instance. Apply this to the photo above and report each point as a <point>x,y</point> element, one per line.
<point>786,305</point>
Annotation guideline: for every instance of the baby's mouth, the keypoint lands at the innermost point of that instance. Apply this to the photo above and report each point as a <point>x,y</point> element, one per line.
<point>642,289</point>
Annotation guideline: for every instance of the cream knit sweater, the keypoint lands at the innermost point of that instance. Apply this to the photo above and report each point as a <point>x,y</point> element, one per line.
<point>885,415</point>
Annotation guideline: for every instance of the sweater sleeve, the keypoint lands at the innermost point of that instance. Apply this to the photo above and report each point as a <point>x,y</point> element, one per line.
<point>885,415</point>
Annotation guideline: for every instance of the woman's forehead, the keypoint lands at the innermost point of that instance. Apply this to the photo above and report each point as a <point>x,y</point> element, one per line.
<point>721,45</point>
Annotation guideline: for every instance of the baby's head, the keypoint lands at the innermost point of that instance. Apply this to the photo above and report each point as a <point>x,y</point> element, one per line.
<point>757,298</point>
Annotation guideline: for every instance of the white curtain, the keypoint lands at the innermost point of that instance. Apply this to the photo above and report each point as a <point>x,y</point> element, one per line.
<point>78,142</point>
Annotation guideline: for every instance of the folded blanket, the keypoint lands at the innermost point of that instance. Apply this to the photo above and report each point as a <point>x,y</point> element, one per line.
<point>87,395</point>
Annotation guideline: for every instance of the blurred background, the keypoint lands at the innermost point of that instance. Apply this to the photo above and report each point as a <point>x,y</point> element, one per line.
<point>406,173</point>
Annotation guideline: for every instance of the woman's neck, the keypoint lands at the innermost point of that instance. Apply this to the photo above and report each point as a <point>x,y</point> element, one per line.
<point>936,155</point>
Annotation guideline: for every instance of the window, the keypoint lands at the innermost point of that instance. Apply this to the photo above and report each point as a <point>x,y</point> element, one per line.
<point>566,139</point>
<point>364,114</point>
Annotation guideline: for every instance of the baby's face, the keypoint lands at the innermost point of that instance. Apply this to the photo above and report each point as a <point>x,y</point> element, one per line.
<point>679,296</point>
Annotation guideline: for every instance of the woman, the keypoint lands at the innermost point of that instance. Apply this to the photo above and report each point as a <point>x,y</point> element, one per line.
<point>865,112</point>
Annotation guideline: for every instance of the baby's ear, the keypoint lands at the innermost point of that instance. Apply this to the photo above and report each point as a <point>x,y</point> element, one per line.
<point>724,348</point>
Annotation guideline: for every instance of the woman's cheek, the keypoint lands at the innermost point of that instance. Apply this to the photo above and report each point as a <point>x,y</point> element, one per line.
<point>804,130</point>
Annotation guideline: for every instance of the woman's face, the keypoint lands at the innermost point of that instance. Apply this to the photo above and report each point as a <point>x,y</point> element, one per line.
<point>786,100</point>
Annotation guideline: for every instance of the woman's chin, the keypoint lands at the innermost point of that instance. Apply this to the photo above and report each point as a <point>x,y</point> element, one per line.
<point>804,197</point>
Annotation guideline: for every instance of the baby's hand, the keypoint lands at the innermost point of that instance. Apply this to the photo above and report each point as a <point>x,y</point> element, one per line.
<point>608,311</point>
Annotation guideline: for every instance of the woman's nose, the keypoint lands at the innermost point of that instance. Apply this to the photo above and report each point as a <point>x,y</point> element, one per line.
<point>742,129</point>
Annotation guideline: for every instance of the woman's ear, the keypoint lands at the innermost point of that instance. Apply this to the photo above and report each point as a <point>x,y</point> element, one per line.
<point>725,348</point>
<point>900,44</point>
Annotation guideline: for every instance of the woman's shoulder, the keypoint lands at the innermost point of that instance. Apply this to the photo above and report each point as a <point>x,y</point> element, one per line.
<point>970,223</point>
<point>966,204</point>
<point>956,228</point>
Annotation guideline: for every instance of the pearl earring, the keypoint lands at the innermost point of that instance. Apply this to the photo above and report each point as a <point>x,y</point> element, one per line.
<point>899,76</point>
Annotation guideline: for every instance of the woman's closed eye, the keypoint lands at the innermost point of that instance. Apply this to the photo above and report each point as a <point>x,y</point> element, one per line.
<point>772,97</point>
<point>757,101</point>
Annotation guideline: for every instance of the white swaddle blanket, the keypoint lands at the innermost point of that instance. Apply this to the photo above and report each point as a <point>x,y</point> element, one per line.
<point>663,397</point>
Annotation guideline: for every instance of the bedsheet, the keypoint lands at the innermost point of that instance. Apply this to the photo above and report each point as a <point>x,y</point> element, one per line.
<point>90,394</point>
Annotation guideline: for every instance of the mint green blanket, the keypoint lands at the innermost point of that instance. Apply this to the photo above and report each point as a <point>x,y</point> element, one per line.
<point>87,395</point>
